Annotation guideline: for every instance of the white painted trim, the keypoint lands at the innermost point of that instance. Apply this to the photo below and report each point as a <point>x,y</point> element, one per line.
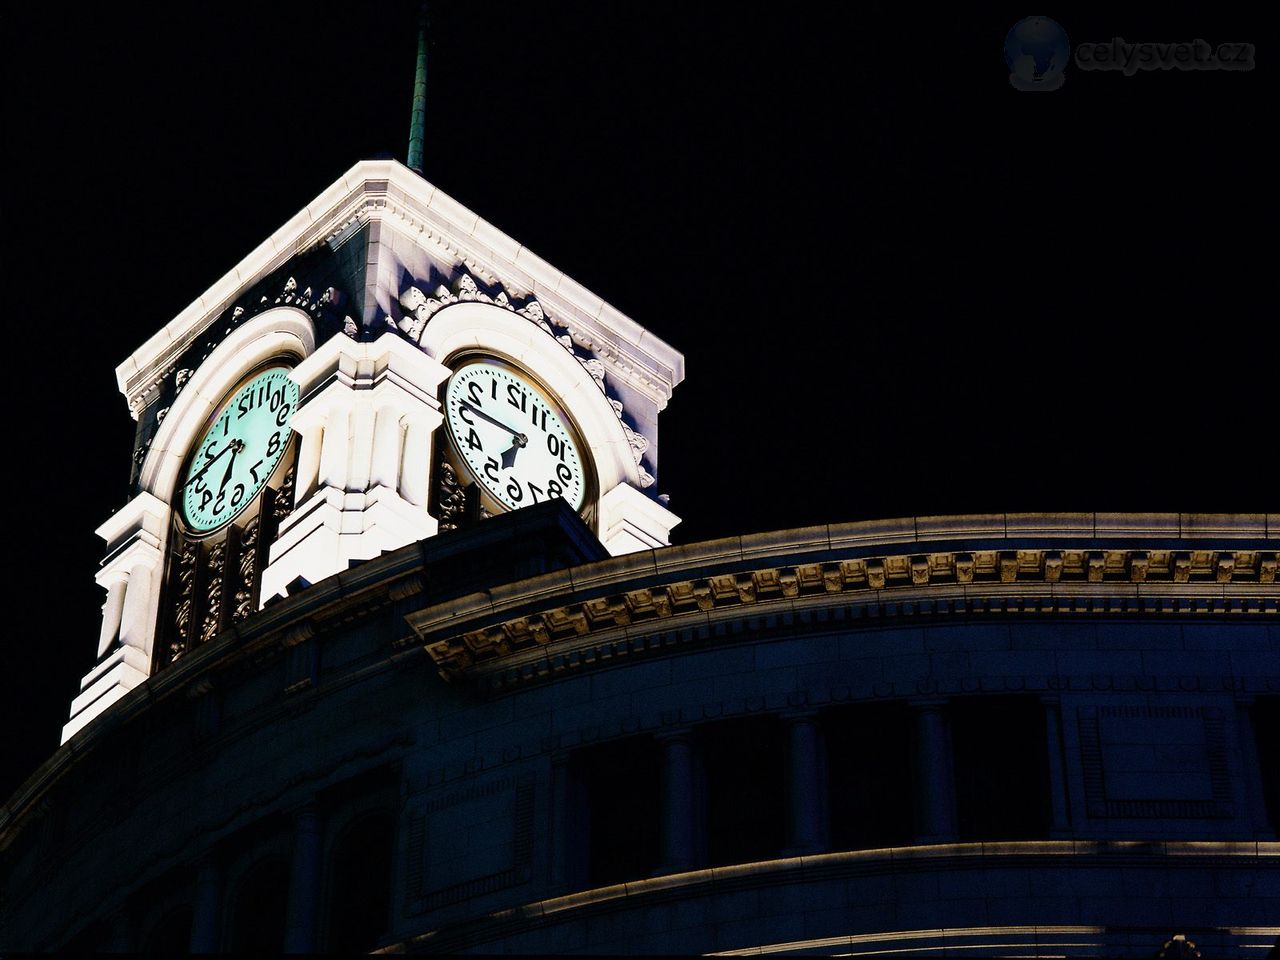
<point>487,328</point>
<point>386,191</point>
<point>282,330</point>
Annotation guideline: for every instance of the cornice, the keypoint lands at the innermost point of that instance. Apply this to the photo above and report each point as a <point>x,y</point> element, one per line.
<point>643,602</point>
<point>386,191</point>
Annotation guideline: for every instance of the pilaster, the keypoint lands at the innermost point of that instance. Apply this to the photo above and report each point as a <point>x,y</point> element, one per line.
<point>631,521</point>
<point>131,575</point>
<point>367,422</point>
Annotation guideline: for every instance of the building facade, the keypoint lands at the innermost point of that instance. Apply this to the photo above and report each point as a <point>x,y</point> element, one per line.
<point>395,655</point>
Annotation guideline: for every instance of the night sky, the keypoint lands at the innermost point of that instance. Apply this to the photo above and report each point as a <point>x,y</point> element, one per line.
<point>901,286</point>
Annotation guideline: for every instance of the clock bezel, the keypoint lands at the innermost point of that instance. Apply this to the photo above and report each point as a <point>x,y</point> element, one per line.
<point>286,362</point>
<point>456,364</point>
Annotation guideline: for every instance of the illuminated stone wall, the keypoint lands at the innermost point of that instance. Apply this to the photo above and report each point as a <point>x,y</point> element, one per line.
<point>1114,694</point>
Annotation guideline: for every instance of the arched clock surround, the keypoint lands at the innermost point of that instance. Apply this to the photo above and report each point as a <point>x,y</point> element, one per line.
<point>471,328</point>
<point>282,332</point>
<point>139,536</point>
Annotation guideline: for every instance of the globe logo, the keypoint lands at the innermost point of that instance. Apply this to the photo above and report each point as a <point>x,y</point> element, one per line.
<point>1036,51</point>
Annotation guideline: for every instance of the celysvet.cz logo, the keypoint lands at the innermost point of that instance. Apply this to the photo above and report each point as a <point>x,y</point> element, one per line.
<point>1129,58</point>
<point>1037,52</point>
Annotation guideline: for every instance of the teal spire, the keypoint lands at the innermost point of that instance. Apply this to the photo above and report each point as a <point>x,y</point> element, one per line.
<point>418,125</point>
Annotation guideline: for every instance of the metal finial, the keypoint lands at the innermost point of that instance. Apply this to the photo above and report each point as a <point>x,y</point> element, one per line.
<point>418,125</point>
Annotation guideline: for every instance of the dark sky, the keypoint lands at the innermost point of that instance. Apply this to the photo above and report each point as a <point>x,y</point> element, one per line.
<point>901,286</point>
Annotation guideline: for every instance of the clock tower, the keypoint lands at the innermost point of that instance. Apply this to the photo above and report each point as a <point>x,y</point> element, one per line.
<point>385,368</point>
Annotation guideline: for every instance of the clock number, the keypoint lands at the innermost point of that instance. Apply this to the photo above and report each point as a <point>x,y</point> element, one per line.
<point>514,491</point>
<point>277,398</point>
<point>535,491</point>
<point>464,412</point>
<point>200,485</point>
<point>493,387</point>
<point>273,444</point>
<point>517,397</point>
<point>220,503</point>
<point>473,440</point>
<point>491,469</point>
<point>226,423</point>
<point>254,471</point>
<point>476,394</point>
<point>563,472</point>
<point>283,416</point>
<point>238,495</point>
<point>555,445</point>
<point>554,489</point>
<point>205,496</point>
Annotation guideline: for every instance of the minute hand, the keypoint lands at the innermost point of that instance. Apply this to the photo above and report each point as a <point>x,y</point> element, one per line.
<point>497,423</point>
<point>212,460</point>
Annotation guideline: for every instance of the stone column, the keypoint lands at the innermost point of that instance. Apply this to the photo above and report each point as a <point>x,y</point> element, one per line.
<point>415,470</point>
<point>387,434</point>
<point>112,611</point>
<point>677,802</point>
<point>334,449</point>
<point>806,786</point>
<point>304,883</point>
<point>206,910</point>
<point>307,472</point>
<point>935,773</point>
<point>1059,805</point>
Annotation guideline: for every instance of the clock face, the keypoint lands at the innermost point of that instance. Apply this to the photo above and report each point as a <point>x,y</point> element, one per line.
<point>515,440</point>
<point>239,451</point>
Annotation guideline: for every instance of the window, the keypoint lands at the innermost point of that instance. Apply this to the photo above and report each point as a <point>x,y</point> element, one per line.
<point>869,759</point>
<point>744,765</point>
<point>360,905</point>
<point>619,785</point>
<point>1266,735</point>
<point>258,908</point>
<point>1001,768</point>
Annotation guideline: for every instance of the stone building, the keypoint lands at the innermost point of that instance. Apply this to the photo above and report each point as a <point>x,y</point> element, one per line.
<point>395,654</point>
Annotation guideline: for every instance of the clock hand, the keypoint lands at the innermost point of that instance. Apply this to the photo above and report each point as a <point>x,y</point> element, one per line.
<point>236,447</point>
<point>212,460</point>
<point>509,455</point>
<point>497,423</point>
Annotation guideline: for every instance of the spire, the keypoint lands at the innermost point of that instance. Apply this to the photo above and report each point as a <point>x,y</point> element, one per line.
<point>418,126</point>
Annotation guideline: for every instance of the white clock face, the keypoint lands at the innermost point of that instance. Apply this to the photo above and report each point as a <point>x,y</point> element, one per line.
<point>239,451</point>
<point>515,440</point>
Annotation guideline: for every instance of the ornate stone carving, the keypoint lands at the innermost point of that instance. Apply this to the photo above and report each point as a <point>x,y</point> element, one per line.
<point>185,608</point>
<point>215,565</point>
<point>283,505</point>
<point>248,570</point>
<point>919,585</point>
<point>451,500</point>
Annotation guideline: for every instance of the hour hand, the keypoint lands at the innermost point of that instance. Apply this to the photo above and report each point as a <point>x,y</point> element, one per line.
<point>509,455</point>
<point>232,445</point>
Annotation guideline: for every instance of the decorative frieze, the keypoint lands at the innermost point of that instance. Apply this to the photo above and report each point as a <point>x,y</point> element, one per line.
<point>935,584</point>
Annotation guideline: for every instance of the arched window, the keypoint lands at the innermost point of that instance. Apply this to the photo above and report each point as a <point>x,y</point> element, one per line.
<point>258,908</point>
<point>360,900</point>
